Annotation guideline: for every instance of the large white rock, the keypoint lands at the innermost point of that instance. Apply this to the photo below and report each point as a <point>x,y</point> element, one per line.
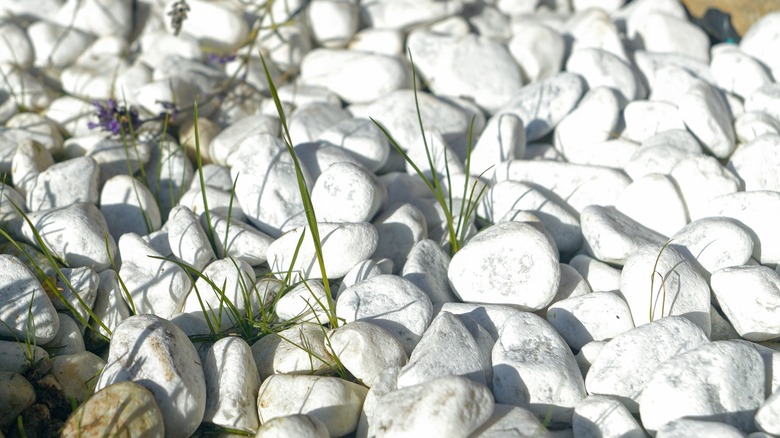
<point>362,138</point>
<point>232,383</point>
<point>345,192</point>
<point>25,308</point>
<point>153,352</point>
<point>729,390</point>
<point>426,267</point>
<point>129,207</point>
<point>753,163</point>
<point>366,350</point>
<point>612,236</point>
<point>448,407</point>
<point>601,68</point>
<point>399,228</point>
<point>625,364</point>
<point>599,415</point>
<point>406,14</point>
<point>534,368</point>
<point>737,72</point>
<point>508,263</point>
<point>701,178</point>
<point>188,240</point>
<point>333,22</point>
<point>537,48</point>
<point>686,427</point>
<point>595,316</point>
<point>599,275</point>
<point>343,246</point>
<point>594,121</point>
<point>664,33</point>
<point>657,282</point>
<point>654,201</point>
<point>761,40</point>
<point>502,139</point>
<point>297,350</point>
<point>706,114</point>
<point>297,425</point>
<point>333,401</point>
<point>714,243</point>
<point>213,24</point>
<point>508,421</point>
<point>749,297</point>
<point>391,302</point>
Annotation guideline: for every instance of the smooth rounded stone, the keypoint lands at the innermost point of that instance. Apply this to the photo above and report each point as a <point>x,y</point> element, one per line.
<point>400,227</point>
<point>76,373</point>
<point>64,183</point>
<point>502,139</point>
<point>752,124</point>
<point>446,63</point>
<point>572,284</point>
<point>534,368</point>
<point>30,159</point>
<point>110,154</point>
<point>406,14</point>
<point>318,156</point>
<point>475,271</point>
<point>285,45</point>
<point>129,207</point>
<point>334,401</point>
<point>735,287</point>
<point>187,239</point>
<point>16,395</point>
<point>599,275</point>
<point>296,350</point>
<point>450,406</point>
<point>760,42</point>
<point>714,243</point>
<point>731,391</point>
<point>343,246</point>
<point>701,178</point>
<point>397,113</point>
<point>722,329</point>
<point>98,17</point>
<point>77,290</point>
<point>767,416</point>
<point>68,339</point>
<point>645,118</point>
<point>687,427</point>
<point>381,41</point>
<point>580,130</point>
<point>506,196</point>
<point>362,138</point>
<point>18,358</point>
<point>403,187</point>
<point>392,303</point>
<point>152,351</point>
<point>168,174</point>
<point>755,211</point>
<point>612,236</point>
<point>753,163</point>
<point>155,286</point>
<point>594,29</point>
<point>225,143</point>
<point>579,185</point>
<point>234,280</point>
<point>595,316</point>
<point>737,72</point>
<point>587,355</point>
<point>227,27</point>
<point>218,201</point>
<point>32,131</point>
<point>302,303</point>
<point>443,157</point>
<point>627,362</point>
<point>345,192</point>
<point>663,33</point>
<point>538,49</point>
<point>599,67</point>
<point>657,282</point>
<point>511,421</point>
<point>232,383</point>
<point>57,46</point>
<point>356,77</point>
<point>541,105</point>
<point>366,350</point>
<point>110,306</point>
<point>364,270</point>
<point>656,158</point>
<point>384,384</point>
<point>297,425</point>
<point>95,79</point>
<point>268,202</point>
<point>447,348</point>
<point>665,213</point>
<point>25,308</point>
<point>75,234</point>
<point>151,96</point>
<point>426,267</point>
<point>707,116</point>
<point>121,408</point>
<point>491,23</point>
<point>17,48</point>
<point>599,415</point>
<point>333,23</point>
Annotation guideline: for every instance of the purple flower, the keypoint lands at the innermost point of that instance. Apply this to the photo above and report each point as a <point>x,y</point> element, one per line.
<point>213,58</point>
<point>112,117</point>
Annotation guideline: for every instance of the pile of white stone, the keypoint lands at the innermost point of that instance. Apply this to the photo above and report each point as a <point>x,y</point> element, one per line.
<point>603,130</point>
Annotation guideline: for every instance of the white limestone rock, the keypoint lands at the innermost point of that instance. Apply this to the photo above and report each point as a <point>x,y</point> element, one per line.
<point>304,302</point>
<point>753,163</point>
<point>238,239</point>
<point>406,14</point>
<point>646,118</point>
<point>333,23</point>
<point>282,353</point>
<point>297,425</point>
<point>534,368</point>
<point>599,415</point>
<point>601,68</point>
<point>333,401</point>
<point>664,33</point>
<point>153,352</point>
<point>391,302</point>
<point>737,72</point>
<point>508,420</point>
<point>701,178</point>
<point>538,49</point>
<point>686,427</point>
<point>25,308</point>
<point>752,124</point>
<point>599,275</point>
<point>362,138</point>
<point>64,183</point>
<point>399,228</point>
<point>654,201</point>
<point>477,272</point>
<point>706,114</point>
<point>595,316</point>
<point>593,121</point>
<point>366,350</point>
<point>730,391</point>
<point>626,363</point>
<point>502,139</point>
<point>426,267</point>
<point>345,192</point>
<point>129,207</point>
<point>749,298</point>
<point>761,40</point>
<point>187,239</point>
<point>714,243</point>
<point>232,383</point>
<point>55,45</point>
<point>612,236</point>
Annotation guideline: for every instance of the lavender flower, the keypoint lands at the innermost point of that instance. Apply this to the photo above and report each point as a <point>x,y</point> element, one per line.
<point>213,58</point>
<point>112,117</point>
